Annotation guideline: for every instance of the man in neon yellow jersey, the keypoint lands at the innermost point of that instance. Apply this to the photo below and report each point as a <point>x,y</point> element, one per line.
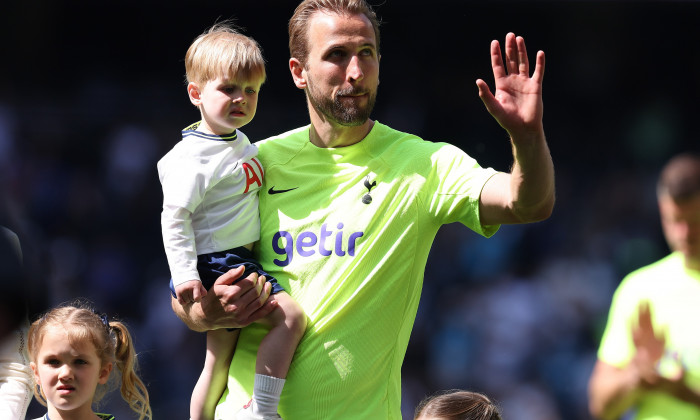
<point>649,356</point>
<point>349,210</point>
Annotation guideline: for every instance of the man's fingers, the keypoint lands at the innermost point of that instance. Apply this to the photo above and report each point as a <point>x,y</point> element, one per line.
<point>486,96</point>
<point>262,311</point>
<point>245,301</point>
<point>258,304</point>
<point>265,292</point>
<point>538,74</point>
<point>645,317</point>
<point>230,276</point>
<point>497,61</point>
<point>512,55</point>
<point>523,61</point>
<point>250,296</point>
<point>264,284</point>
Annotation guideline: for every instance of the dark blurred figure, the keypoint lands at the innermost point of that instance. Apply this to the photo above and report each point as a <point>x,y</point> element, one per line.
<point>649,356</point>
<point>457,405</point>
<point>15,375</point>
<point>13,291</point>
<point>18,301</point>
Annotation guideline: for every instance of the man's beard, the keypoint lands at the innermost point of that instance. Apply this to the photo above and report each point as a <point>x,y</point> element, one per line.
<point>335,111</point>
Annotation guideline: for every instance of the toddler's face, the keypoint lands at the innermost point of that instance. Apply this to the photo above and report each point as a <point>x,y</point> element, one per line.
<point>227,104</point>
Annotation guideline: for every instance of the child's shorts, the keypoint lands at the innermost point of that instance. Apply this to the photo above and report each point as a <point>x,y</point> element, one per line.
<point>213,265</point>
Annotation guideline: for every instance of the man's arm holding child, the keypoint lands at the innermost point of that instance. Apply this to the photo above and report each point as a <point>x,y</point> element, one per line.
<point>228,305</point>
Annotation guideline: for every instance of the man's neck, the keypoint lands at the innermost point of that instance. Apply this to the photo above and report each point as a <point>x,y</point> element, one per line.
<point>327,135</point>
<point>692,264</point>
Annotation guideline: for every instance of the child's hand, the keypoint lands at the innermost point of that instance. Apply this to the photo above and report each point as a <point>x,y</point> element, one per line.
<point>190,291</point>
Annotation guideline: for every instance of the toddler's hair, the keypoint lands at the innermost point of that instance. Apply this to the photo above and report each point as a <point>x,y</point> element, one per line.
<point>222,51</point>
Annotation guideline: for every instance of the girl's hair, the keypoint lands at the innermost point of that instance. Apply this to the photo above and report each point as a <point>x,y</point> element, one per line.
<point>222,51</point>
<point>456,404</point>
<point>112,343</point>
<point>299,23</point>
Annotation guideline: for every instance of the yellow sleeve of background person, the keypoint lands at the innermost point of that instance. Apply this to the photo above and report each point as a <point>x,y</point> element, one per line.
<point>674,295</point>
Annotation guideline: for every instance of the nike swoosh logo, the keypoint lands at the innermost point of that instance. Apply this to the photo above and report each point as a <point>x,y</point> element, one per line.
<point>272,190</point>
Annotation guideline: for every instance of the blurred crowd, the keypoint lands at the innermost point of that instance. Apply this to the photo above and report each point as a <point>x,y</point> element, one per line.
<point>517,316</point>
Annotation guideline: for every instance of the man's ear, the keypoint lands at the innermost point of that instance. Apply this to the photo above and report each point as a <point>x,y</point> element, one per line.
<point>194,94</point>
<point>298,73</point>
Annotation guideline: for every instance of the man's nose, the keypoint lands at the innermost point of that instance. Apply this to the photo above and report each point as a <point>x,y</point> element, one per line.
<point>354,70</point>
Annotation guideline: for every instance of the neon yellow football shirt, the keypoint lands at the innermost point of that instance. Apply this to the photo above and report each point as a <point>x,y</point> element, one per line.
<point>347,232</point>
<point>674,295</point>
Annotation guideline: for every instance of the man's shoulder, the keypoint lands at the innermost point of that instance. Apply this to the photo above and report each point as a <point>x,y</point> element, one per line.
<point>282,146</point>
<point>385,132</point>
<point>291,136</point>
<point>665,266</point>
<point>671,260</point>
<point>389,139</point>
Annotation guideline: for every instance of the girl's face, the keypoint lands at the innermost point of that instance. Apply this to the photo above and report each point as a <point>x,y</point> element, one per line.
<point>68,373</point>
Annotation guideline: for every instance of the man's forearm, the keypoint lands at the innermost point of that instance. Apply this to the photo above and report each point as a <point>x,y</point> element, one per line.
<point>678,388</point>
<point>228,305</point>
<point>612,391</point>
<point>532,180</point>
<point>192,315</point>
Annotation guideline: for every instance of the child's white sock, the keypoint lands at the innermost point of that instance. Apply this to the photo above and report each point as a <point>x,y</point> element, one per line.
<point>266,394</point>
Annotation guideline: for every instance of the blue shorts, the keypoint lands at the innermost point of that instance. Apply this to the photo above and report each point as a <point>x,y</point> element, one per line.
<point>211,266</point>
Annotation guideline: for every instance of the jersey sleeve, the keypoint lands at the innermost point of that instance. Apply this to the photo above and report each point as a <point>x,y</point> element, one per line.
<point>455,186</point>
<point>16,389</point>
<point>183,185</point>
<point>178,239</point>
<point>616,346</point>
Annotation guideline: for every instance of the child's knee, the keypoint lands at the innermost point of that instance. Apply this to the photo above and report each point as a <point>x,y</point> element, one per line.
<point>297,320</point>
<point>294,316</point>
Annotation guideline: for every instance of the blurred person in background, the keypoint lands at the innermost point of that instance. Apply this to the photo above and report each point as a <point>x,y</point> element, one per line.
<point>15,374</point>
<point>21,297</point>
<point>649,356</point>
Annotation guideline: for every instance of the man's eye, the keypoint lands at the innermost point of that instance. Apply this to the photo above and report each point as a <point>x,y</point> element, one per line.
<point>53,362</point>
<point>81,362</point>
<point>337,53</point>
<point>250,91</point>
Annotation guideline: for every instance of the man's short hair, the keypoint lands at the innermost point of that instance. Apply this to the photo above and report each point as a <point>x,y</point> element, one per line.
<point>299,23</point>
<point>680,177</point>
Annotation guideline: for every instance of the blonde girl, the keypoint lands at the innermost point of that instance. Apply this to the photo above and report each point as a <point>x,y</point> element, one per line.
<point>73,352</point>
